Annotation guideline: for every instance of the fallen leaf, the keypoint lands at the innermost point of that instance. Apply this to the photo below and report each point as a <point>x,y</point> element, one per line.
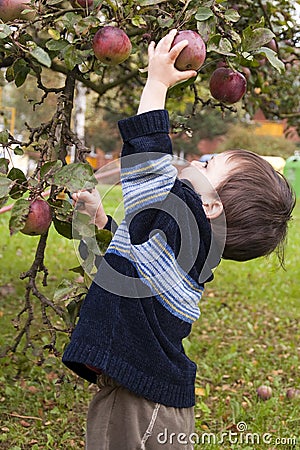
<point>33,389</point>
<point>200,391</point>
<point>25,424</point>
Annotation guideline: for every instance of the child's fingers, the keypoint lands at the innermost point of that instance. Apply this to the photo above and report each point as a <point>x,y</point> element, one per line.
<point>151,49</point>
<point>74,196</point>
<point>165,42</point>
<point>174,52</point>
<point>186,75</point>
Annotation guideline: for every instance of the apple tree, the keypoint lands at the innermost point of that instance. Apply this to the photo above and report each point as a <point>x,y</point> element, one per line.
<point>61,40</point>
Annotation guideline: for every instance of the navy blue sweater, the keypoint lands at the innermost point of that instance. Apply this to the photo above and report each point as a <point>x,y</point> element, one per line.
<point>145,296</point>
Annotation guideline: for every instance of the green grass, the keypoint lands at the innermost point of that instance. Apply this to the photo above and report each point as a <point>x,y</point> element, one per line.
<point>248,335</point>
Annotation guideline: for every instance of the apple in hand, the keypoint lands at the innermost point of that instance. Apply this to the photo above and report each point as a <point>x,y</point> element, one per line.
<point>193,55</point>
<point>12,9</point>
<point>111,45</point>
<point>39,218</point>
<point>227,85</point>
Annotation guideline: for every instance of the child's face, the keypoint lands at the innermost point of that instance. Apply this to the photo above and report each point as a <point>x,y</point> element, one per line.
<point>206,176</point>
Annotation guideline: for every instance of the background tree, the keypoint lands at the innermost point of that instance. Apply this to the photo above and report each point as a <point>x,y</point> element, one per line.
<point>257,37</point>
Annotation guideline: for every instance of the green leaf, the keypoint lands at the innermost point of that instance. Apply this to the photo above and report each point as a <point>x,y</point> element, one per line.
<point>256,38</point>
<point>5,186</point>
<point>63,228</point>
<point>82,226</point>
<point>138,21</point>
<point>63,210</point>
<point>232,15</point>
<point>20,71</point>
<point>62,290</point>
<point>75,176</point>
<point>71,56</point>
<point>220,45</point>
<point>165,22</point>
<point>19,215</point>
<point>203,14</point>
<point>55,34</point>
<point>20,77</point>
<point>103,238</point>
<point>73,309</point>
<point>49,168</point>
<point>20,185</point>
<point>225,47</point>
<point>4,136</point>
<point>78,269</point>
<point>207,28</point>
<point>17,174</point>
<point>9,74</point>
<point>67,289</point>
<point>72,293</point>
<point>41,56</point>
<point>235,36</point>
<point>55,45</point>
<point>4,163</point>
<point>272,58</point>
<point>5,30</point>
<point>18,151</point>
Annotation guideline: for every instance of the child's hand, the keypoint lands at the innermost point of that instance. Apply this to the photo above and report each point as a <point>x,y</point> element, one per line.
<point>89,202</point>
<point>162,59</point>
<point>162,73</point>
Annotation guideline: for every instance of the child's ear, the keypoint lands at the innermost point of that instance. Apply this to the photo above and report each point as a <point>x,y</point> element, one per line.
<point>213,209</point>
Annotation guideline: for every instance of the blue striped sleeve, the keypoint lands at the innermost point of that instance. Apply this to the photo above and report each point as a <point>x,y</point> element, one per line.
<point>147,174</point>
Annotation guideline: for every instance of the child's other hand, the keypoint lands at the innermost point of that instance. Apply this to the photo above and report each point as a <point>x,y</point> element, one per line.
<point>162,59</point>
<point>89,202</point>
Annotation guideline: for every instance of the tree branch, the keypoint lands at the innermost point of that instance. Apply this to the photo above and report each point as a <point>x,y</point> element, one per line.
<point>98,88</point>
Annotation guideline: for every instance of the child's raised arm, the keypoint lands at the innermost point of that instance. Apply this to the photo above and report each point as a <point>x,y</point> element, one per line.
<point>162,73</point>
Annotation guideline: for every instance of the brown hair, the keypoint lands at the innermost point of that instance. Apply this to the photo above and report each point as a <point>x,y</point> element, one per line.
<point>258,203</point>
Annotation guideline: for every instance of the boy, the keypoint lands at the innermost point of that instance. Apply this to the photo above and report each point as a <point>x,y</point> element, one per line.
<point>145,296</point>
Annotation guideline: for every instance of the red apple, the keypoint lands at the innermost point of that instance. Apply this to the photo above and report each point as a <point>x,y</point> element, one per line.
<point>264,392</point>
<point>292,393</point>
<point>12,9</point>
<point>39,218</point>
<point>111,45</point>
<point>193,55</point>
<point>82,3</point>
<point>227,85</point>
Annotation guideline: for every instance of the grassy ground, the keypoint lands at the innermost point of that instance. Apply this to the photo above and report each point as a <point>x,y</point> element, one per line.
<point>248,335</point>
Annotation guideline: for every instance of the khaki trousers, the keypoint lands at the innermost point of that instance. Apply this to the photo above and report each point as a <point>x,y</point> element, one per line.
<point>119,420</point>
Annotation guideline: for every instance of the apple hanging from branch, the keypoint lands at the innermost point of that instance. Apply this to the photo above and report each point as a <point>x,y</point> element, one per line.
<point>12,9</point>
<point>39,218</point>
<point>227,85</point>
<point>111,45</point>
